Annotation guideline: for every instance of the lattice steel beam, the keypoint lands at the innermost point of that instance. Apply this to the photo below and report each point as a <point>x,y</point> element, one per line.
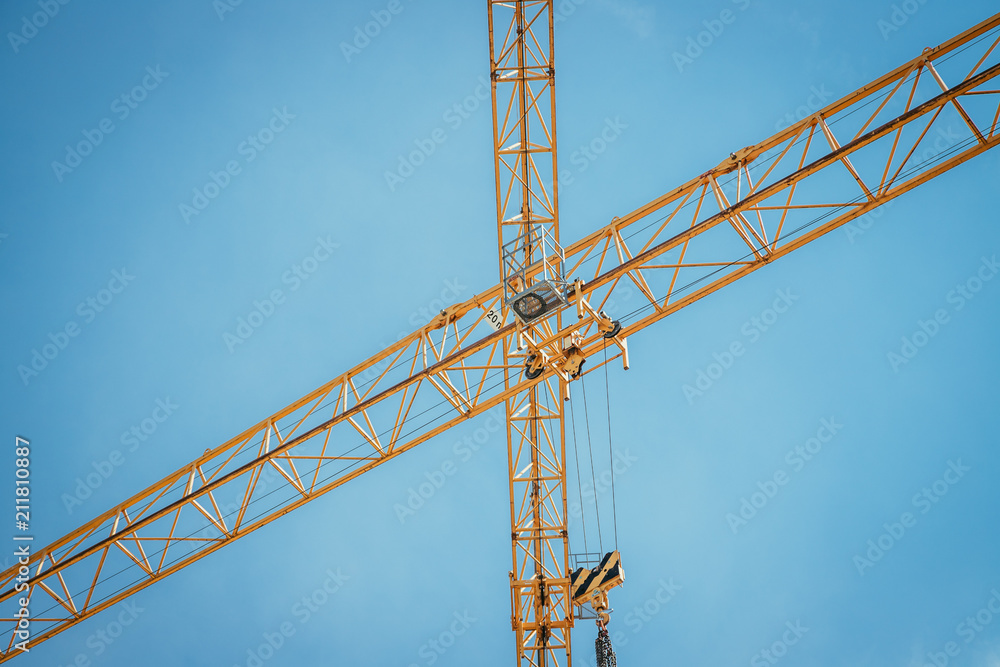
<point>522,69</point>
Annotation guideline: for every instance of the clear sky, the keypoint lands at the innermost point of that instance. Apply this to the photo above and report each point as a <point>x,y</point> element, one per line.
<point>118,245</point>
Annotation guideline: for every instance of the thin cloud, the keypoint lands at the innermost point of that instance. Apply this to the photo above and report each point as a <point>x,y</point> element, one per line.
<point>639,18</point>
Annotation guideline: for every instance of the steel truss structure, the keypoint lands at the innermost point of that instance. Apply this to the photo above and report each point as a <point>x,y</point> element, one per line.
<point>522,70</point>
<point>759,204</point>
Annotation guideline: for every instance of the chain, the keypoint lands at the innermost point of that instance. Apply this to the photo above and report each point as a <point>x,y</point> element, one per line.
<point>605,654</point>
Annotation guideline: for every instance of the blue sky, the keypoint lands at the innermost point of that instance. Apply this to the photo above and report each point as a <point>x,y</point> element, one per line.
<point>167,285</point>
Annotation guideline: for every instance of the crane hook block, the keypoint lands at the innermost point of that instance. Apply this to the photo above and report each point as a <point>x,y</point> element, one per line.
<point>592,586</point>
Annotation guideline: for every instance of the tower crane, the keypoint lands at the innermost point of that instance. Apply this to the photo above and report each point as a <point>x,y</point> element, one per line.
<point>523,342</point>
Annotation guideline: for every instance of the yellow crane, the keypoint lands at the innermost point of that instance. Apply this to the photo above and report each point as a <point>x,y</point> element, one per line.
<point>523,342</point>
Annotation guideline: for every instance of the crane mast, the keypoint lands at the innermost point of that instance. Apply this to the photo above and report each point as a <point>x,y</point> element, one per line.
<point>522,71</point>
<point>760,203</point>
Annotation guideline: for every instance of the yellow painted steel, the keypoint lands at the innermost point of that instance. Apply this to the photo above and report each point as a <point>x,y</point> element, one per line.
<point>658,259</point>
<point>522,71</point>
